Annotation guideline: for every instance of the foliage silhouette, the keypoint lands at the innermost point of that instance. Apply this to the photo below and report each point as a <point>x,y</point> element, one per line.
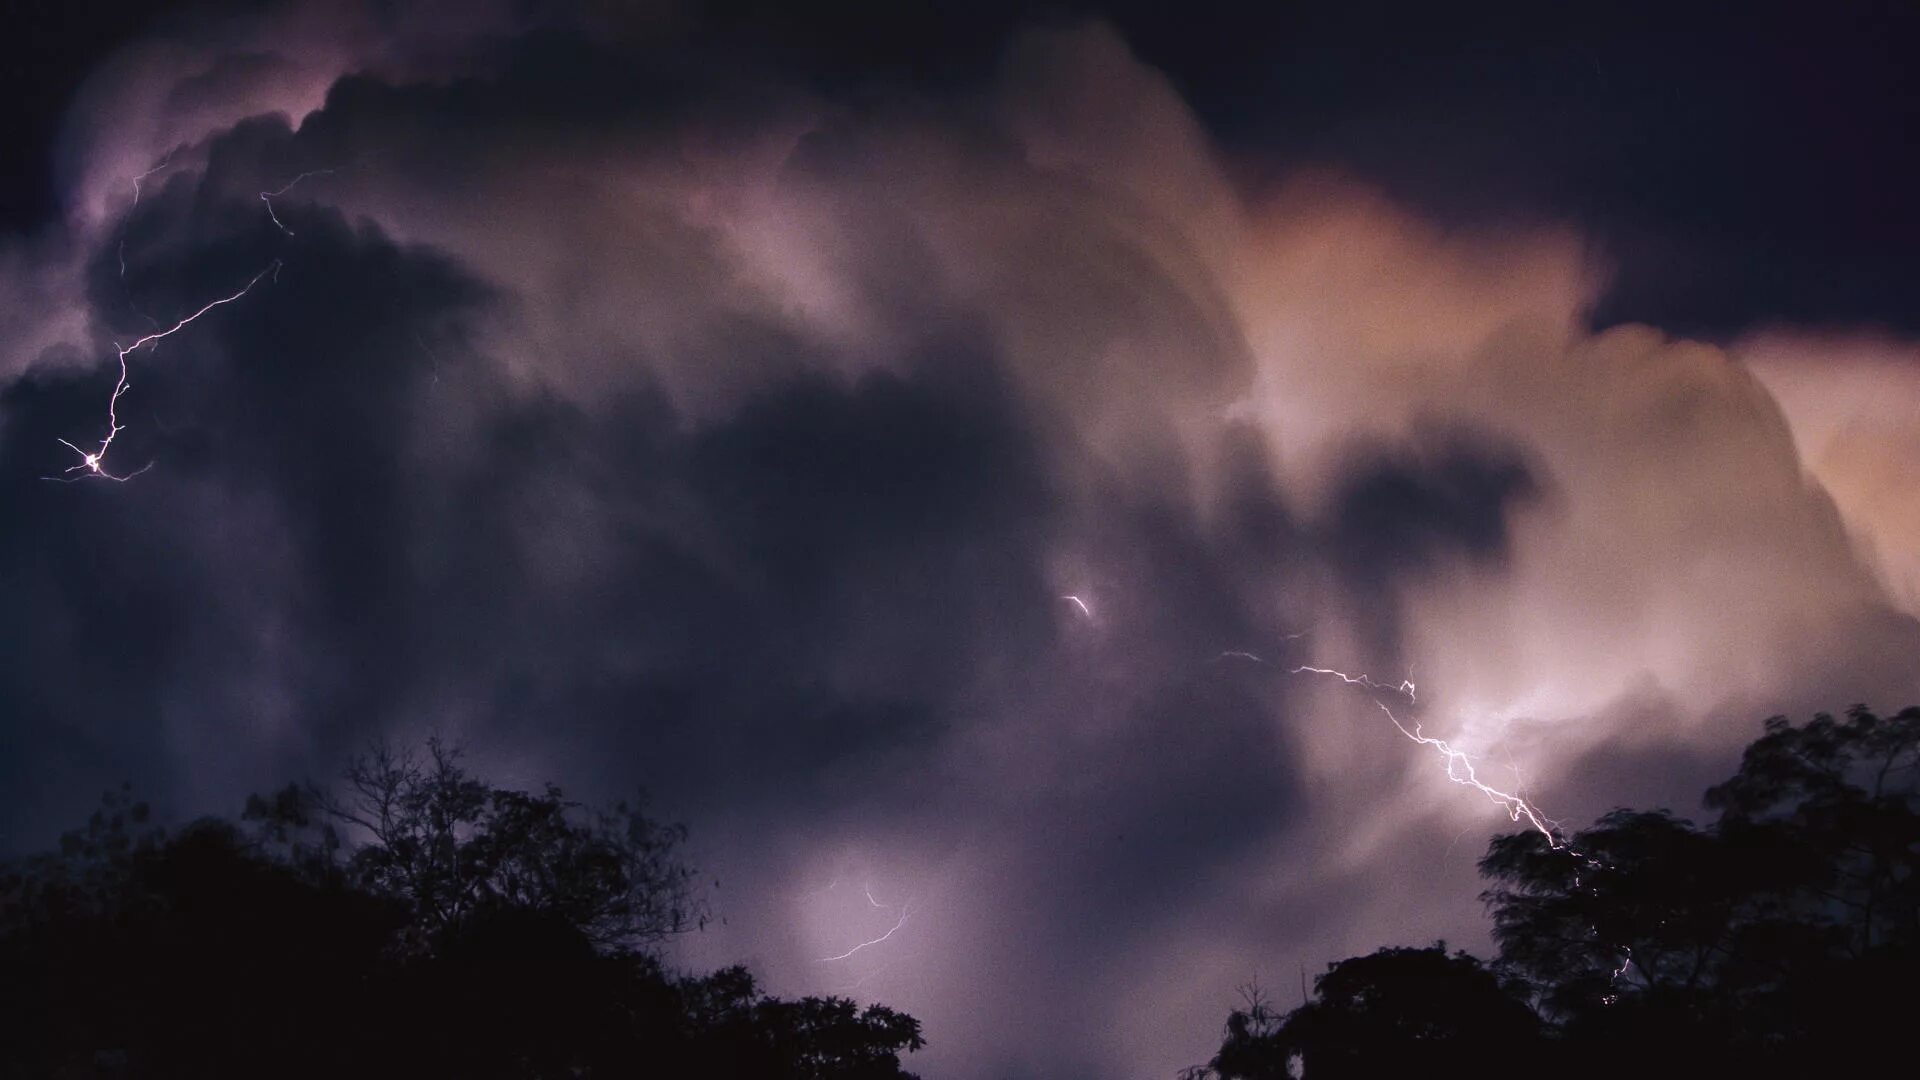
<point>454,849</point>
<point>1379,1015</point>
<point>418,923</point>
<point>1781,940</point>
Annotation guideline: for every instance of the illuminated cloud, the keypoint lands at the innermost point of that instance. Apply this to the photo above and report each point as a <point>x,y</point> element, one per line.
<point>927,492</point>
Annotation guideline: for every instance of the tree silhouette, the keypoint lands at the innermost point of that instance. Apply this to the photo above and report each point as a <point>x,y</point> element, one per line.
<point>1383,1014</point>
<point>416,923</point>
<point>1840,799</point>
<point>455,849</point>
<point>1743,935</point>
<point>1642,903</point>
<point>1781,940</point>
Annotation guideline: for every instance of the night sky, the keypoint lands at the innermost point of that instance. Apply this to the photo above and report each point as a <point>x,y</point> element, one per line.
<point>919,448</point>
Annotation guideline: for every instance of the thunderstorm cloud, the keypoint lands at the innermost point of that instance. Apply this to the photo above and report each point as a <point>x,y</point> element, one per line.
<point>640,406</point>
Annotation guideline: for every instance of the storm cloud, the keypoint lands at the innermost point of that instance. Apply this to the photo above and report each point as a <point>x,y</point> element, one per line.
<point>923,488</point>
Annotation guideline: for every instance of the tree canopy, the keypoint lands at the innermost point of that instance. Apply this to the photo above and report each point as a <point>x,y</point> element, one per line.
<point>1393,1010</point>
<point>456,850</point>
<point>413,921</point>
<point>1780,939</point>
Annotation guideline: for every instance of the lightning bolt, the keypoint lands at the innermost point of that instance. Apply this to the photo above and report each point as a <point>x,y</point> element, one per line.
<point>268,196</point>
<point>1079,603</point>
<point>164,162</point>
<point>1236,654</point>
<point>93,462</point>
<point>905,910</point>
<point>1404,688</point>
<point>1460,770</point>
<point>896,926</point>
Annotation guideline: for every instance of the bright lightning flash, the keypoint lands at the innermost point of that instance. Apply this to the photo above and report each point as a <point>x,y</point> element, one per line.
<point>93,462</point>
<point>1460,770</point>
<point>904,910</point>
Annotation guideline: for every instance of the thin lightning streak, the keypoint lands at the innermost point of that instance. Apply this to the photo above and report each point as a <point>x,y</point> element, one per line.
<point>268,196</point>
<point>1457,837</point>
<point>1460,770</point>
<point>1249,656</point>
<point>868,977</point>
<point>1519,778</point>
<point>904,908</point>
<point>1405,688</point>
<point>164,162</point>
<point>1460,767</point>
<point>93,463</point>
<point>1079,603</point>
<point>435,357</point>
<point>867,891</point>
<point>271,268</point>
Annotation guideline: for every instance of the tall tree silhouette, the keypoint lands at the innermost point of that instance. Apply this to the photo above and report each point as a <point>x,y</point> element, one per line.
<point>1841,799</point>
<point>1383,1014</point>
<point>454,849</point>
<point>415,922</point>
<point>1781,939</point>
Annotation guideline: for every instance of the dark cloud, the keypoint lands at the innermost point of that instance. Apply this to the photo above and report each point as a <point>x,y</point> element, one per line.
<point>1736,171</point>
<point>258,519</point>
<point>926,480</point>
<point>1398,512</point>
<point>1399,509</point>
<point>765,598</point>
<point>1739,171</point>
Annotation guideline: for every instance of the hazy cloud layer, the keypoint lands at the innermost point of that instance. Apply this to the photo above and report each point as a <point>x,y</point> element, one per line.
<point>924,492</point>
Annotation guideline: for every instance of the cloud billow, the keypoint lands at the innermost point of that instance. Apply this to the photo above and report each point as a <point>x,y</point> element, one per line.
<point>742,434</point>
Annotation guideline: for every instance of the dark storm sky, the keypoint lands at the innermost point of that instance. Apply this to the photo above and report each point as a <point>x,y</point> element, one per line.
<point>1748,166</point>
<point>728,401</point>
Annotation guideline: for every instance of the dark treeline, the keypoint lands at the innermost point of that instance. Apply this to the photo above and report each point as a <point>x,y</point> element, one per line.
<point>409,922</point>
<point>414,921</point>
<point>1783,939</point>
